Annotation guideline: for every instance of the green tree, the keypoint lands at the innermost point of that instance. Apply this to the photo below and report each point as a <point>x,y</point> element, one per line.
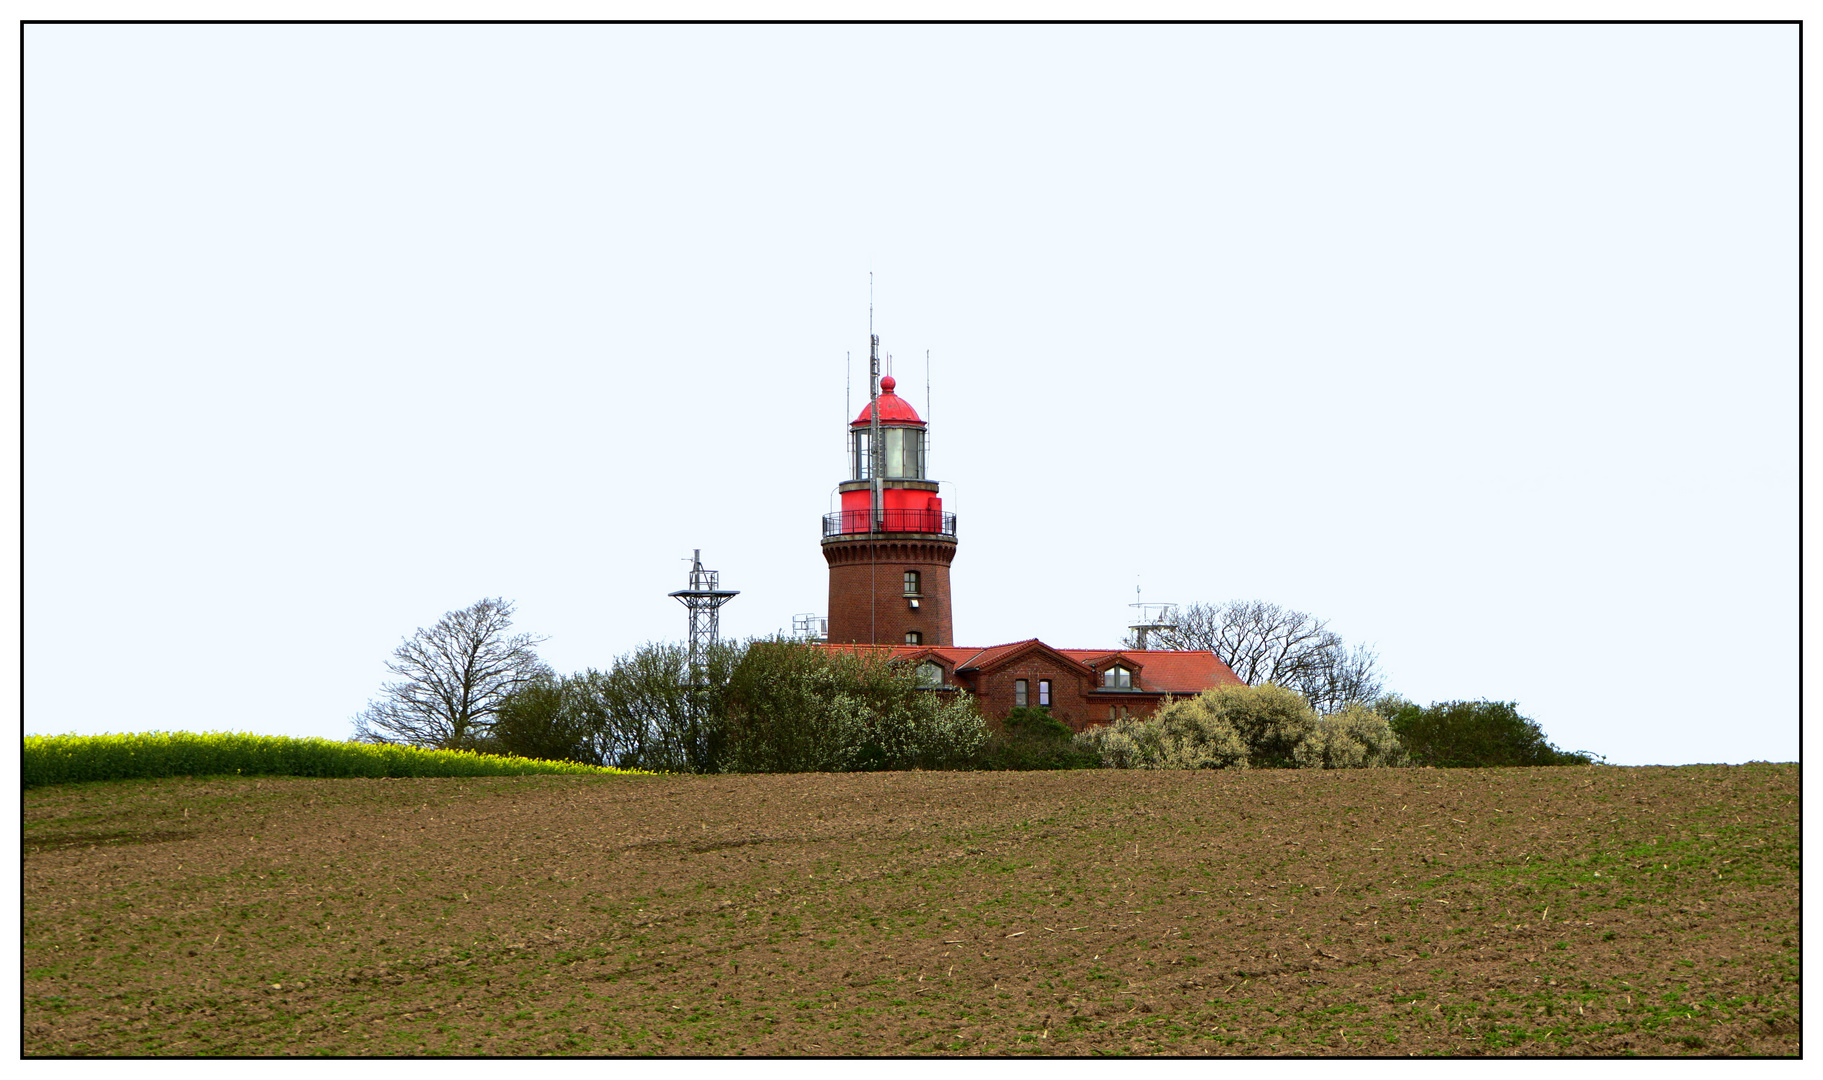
<point>547,718</point>
<point>1031,738</point>
<point>1472,734</point>
<point>647,713</point>
<point>761,706</point>
<point>792,707</point>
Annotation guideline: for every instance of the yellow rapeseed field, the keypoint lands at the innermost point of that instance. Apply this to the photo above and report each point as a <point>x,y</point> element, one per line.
<point>63,759</point>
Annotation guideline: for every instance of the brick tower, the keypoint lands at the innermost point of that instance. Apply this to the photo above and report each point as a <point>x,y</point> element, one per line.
<point>890,546</point>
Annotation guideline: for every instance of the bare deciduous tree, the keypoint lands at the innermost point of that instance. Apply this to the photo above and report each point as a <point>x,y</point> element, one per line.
<point>453,677</point>
<point>1264,642</point>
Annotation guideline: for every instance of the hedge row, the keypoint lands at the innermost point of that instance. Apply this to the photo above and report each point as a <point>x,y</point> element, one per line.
<point>63,759</point>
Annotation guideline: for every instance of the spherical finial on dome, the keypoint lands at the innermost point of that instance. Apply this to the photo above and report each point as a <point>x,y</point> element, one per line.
<point>887,383</point>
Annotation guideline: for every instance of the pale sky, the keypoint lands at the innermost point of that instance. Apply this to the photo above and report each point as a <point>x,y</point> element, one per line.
<point>1479,341</point>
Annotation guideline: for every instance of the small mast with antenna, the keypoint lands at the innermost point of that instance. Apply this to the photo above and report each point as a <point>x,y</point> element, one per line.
<point>1151,617</point>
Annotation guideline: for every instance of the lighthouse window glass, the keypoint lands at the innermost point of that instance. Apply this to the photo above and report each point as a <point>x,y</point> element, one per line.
<point>904,451</point>
<point>911,583</point>
<point>895,451</point>
<point>862,460</point>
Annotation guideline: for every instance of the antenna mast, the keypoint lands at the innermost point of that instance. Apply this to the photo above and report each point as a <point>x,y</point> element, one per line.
<point>876,456</point>
<point>925,471</point>
<point>1151,617</point>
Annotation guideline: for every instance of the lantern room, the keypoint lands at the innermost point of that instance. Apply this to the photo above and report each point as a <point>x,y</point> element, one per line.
<point>907,496</point>
<point>901,438</point>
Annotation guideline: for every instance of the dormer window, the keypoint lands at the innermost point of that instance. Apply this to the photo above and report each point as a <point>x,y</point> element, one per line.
<point>929,675</point>
<point>1117,678</point>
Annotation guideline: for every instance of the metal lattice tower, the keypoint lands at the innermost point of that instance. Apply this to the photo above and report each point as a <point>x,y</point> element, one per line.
<point>704,598</point>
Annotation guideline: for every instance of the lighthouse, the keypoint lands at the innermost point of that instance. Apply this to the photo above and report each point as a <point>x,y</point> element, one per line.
<point>890,545</point>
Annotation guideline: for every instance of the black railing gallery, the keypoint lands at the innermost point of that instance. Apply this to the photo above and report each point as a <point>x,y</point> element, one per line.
<point>911,521</point>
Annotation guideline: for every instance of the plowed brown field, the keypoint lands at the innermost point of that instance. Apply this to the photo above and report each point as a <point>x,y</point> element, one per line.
<point>1516,911</point>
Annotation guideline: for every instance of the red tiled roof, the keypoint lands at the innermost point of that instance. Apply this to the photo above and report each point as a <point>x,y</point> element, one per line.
<point>1169,672</point>
<point>1161,671</point>
<point>993,654</point>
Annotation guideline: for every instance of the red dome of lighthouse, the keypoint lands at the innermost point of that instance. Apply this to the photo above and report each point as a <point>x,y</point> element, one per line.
<point>893,408</point>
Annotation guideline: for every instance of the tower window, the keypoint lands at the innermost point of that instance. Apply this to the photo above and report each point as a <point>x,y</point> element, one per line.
<point>929,674</point>
<point>1044,692</point>
<point>1019,693</point>
<point>1117,678</point>
<point>911,583</point>
<point>913,637</point>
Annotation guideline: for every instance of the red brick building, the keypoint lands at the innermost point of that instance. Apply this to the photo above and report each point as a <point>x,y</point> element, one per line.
<point>1081,687</point>
<point>889,551</point>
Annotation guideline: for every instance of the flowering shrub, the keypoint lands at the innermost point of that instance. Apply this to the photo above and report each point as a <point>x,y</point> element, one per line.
<point>1246,726</point>
<point>1182,734</point>
<point>1356,737</point>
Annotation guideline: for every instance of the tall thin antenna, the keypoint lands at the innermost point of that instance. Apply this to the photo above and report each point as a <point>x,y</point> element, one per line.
<point>927,386</point>
<point>876,458</point>
<point>848,404</point>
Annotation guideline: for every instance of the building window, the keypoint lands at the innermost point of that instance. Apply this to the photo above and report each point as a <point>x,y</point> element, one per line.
<point>1110,714</point>
<point>1019,693</point>
<point>914,637</point>
<point>1117,678</point>
<point>1044,692</point>
<point>929,674</point>
<point>911,584</point>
